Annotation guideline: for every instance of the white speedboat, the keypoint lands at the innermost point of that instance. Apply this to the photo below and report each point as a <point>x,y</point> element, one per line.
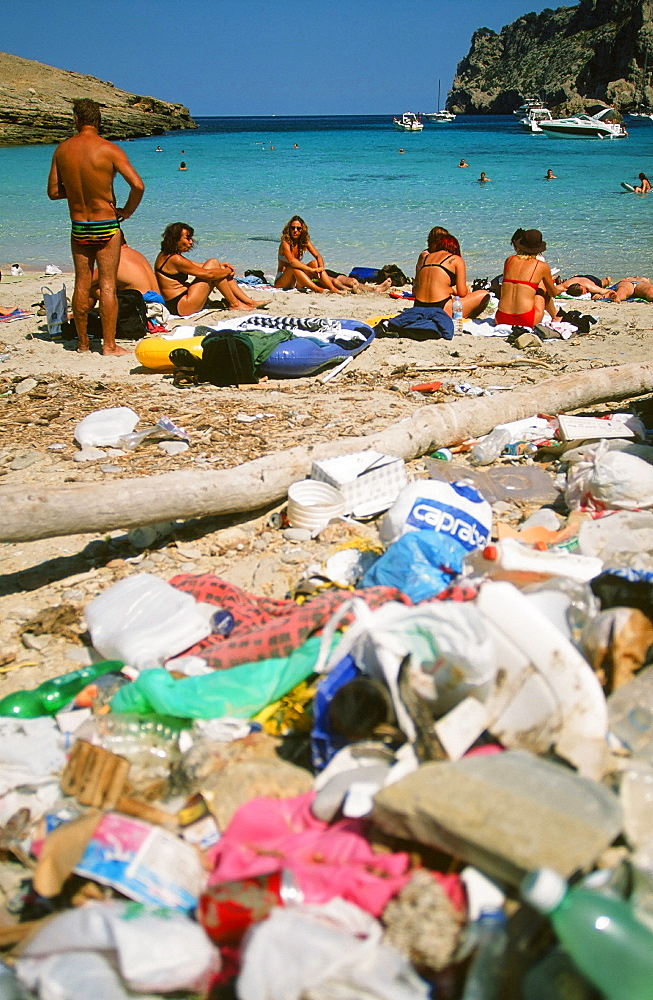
<point>596,126</point>
<point>408,122</point>
<point>440,117</point>
<point>528,105</point>
<point>533,119</point>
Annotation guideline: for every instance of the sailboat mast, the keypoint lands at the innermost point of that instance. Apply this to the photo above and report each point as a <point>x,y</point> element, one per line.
<point>438,95</point>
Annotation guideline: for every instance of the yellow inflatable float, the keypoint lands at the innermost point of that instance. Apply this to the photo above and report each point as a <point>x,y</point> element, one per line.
<point>154,352</point>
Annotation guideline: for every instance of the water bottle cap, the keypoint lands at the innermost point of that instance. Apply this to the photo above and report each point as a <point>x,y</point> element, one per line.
<point>543,889</point>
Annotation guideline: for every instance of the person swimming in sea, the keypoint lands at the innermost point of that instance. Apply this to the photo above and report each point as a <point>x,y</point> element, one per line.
<point>182,166</point>
<point>550,176</point>
<point>463,163</point>
<point>644,185</point>
<point>483,178</point>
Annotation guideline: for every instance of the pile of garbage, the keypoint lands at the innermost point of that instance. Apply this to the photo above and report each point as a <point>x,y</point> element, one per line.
<point>427,773</point>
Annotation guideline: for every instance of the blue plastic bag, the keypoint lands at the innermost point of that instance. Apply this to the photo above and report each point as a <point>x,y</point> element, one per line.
<point>421,564</point>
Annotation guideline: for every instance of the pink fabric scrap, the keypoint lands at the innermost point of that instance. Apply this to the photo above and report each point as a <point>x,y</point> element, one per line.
<point>327,860</point>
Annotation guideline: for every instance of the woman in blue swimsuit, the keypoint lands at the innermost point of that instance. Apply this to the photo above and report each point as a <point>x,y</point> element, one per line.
<point>441,273</point>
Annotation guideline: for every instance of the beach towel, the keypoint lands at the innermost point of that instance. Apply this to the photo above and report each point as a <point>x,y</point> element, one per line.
<point>14,315</point>
<point>56,309</point>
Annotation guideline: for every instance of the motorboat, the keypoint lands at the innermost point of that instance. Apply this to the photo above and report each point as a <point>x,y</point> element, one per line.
<point>535,115</point>
<point>408,122</point>
<point>528,105</point>
<point>642,113</point>
<point>596,126</point>
<point>440,117</point>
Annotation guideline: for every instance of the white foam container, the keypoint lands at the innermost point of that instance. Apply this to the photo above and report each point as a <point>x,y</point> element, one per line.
<point>312,504</point>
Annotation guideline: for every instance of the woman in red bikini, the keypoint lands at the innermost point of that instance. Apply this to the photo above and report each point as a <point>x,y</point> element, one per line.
<point>441,273</point>
<point>527,288</point>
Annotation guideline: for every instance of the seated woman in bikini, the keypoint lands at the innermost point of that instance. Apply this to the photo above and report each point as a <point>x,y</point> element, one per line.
<point>527,288</point>
<point>441,273</point>
<point>292,272</point>
<point>185,285</point>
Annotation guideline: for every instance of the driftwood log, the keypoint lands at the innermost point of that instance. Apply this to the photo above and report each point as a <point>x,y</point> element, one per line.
<point>27,513</point>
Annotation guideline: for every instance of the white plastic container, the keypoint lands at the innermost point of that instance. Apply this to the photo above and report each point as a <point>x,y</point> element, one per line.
<point>104,428</point>
<point>143,621</point>
<point>519,563</point>
<point>312,504</point>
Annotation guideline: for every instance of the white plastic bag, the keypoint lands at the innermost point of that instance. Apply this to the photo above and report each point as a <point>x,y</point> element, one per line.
<point>454,509</point>
<point>154,951</point>
<point>104,428</point>
<point>611,474</point>
<point>329,952</point>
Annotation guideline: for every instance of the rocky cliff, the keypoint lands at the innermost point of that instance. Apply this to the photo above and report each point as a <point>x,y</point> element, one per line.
<point>36,105</point>
<point>572,57</point>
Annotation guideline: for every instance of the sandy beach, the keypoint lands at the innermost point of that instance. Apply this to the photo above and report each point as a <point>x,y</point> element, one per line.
<point>47,387</point>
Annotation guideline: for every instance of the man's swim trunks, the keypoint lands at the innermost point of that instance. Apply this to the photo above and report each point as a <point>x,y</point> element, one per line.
<point>94,234</point>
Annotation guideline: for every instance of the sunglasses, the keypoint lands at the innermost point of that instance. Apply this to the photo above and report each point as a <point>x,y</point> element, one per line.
<point>295,229</point>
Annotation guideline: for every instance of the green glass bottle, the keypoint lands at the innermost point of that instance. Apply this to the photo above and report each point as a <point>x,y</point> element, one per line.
<point>53,695</point>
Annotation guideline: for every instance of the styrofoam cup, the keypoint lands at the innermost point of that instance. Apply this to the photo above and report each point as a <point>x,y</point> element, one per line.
<point>312,504</point>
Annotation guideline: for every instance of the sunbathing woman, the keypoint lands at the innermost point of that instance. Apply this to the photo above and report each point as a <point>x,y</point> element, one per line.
<point>174,272</point>
<point>292,272</point>
<point>441,274</point>
<point>527,288</point>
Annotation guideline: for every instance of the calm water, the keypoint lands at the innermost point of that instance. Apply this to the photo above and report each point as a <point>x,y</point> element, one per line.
<point>365,203</point>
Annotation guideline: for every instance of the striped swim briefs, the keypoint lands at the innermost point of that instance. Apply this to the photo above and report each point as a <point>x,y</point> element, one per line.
<point>94,234</point>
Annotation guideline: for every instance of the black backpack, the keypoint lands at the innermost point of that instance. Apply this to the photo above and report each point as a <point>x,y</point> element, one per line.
<point>131,323</point>
<point>227,359</point>
<point>394,272</point>
<point>132,315</point>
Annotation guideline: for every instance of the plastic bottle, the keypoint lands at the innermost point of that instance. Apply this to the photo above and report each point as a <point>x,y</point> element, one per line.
<point>600,933</point>
<point>457,310</point>
<point>485,974</point>
<point>51,696</point>
<point>512,560</point>
<point>489,449</point>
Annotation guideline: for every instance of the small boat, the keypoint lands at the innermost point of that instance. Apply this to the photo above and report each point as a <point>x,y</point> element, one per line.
<point>596,126</point>
<point>534,116</point>
<point>528,105</point>
<point>408,122</point>
<point>440,117</point>
<point>642,113</point>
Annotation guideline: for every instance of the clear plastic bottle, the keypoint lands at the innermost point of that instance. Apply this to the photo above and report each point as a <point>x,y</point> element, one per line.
<point>599,932</point>
<point>486,451</point>
<point>485,975</point>
<point>457,311</point>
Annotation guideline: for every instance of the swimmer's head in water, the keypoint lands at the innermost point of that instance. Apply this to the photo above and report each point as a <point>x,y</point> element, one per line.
<point>296,231</point>
<point>575,290</point>
<point>172,234</point>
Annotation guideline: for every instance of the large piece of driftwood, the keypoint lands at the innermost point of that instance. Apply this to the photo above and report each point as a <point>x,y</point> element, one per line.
<point>28,513</point>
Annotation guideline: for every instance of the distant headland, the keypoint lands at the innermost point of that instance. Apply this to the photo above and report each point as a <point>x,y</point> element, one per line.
<point>571,58</point>
<point>36,105</point>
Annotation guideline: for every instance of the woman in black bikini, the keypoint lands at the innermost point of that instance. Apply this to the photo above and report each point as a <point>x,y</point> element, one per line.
<point>441,274</point>
<point>174,272</point>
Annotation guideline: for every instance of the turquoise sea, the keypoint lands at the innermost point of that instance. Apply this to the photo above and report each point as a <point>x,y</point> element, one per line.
<point>365,203</point>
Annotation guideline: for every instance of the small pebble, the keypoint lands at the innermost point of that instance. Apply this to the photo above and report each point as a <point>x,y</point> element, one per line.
<point>173,447</point>
<point>89,455</point>
<point>297,534</point>
<point>25,386</point>
<point>24,460</point>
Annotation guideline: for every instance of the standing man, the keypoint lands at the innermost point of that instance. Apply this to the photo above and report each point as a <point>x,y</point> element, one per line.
<point>82,171</point>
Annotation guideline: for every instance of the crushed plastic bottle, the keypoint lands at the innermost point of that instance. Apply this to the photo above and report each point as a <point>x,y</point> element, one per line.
<point>489,449</point>
<point>600,933</point>
<point>163,430</point>
<point>511,560</point>
<point>457,311</point>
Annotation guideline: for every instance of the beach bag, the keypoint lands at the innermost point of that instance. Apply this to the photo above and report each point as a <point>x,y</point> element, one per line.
<point>56,309</point>
<point>132,315</point>
<point>225,361</point>
<point>396,275</point>
<point>93,327</point>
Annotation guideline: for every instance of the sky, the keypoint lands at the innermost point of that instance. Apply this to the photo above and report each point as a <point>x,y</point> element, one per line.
<point>261,57</point>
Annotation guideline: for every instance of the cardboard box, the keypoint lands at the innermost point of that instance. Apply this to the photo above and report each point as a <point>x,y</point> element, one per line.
<point>369,480</point>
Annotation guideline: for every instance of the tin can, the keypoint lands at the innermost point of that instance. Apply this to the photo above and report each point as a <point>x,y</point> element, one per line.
<point>226,911</point>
